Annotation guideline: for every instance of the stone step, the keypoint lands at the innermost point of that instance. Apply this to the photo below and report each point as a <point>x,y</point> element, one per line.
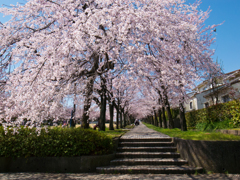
<point>149,169</point>
<point>147,149</point>
<point>149,161</point>
<point>147,155</point>
<point>145,144</point>
<point>163,139</point>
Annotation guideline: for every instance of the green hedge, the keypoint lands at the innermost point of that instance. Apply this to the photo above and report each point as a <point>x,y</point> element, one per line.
<point>58,142</point>
<point>229,111</point>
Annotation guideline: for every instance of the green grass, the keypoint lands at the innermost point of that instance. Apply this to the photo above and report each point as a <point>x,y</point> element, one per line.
<point>195,135</point>
<point>114,133</point>
<point>234,129</point>
<point>129,126</point>
<point>111,133</point>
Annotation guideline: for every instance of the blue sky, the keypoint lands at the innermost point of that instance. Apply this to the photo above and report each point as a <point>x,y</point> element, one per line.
<point>227,43</point>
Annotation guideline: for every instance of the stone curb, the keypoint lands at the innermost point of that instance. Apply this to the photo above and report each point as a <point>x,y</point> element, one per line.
<point>234,132</point>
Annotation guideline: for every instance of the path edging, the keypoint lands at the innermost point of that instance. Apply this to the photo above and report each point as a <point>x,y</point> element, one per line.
<point>225,131</point>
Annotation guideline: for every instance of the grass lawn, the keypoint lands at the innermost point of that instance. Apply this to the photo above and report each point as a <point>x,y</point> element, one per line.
<point>195,135</point>
<point>234,129</point>
<point>114,133</point>
<point>92,125</point>
<point>111,133</point>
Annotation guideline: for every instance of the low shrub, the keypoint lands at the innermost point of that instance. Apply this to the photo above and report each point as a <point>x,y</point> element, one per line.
<point>226,124</point>
<point>234,110</point>
<point>207,117</point>
<point>58,142</point>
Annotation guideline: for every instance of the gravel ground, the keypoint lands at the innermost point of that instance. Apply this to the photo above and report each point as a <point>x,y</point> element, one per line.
<point>65,176</point>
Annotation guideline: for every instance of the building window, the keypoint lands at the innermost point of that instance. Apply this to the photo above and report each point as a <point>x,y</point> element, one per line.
<point>190,105</point>
<point>225,98</point>
<point>206,105</point>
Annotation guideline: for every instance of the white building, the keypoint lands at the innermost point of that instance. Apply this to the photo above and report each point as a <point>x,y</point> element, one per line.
<point>204,95</point>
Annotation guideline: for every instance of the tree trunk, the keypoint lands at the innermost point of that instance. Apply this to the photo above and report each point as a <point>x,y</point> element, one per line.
<point>111,112</point>
<point>103,106</point>
<point>128,120</point>
<point>152,122</point>
<point>117,116</point>
<point>124,119</point>
<point>148,120</point>
<point>111,106</point>
<point>160,118</point>
<point>156,120</point>
<point>164,118</point>
<point>182,117</point>
<point>132,120</point>
<point>87,102</point>
<point>102,113</point>
<point>121,124</point>
<point>170,119</point>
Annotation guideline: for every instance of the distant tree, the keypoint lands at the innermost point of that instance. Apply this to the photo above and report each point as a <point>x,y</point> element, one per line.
<point>215,82</point>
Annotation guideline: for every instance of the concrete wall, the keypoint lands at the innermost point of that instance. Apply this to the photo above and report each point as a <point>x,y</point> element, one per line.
<point>201,100</point>
<point>194,105</point>
<point>236,86</point>
<point>216,156</point>
<point>55,164</point>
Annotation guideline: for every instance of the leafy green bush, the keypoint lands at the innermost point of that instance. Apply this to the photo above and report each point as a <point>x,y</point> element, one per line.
<point>58,142</point>
<point>226,124</point>
<point>203,126</point>
<point>229,112</point>
<point>234,110</point>
<point>191,118</point>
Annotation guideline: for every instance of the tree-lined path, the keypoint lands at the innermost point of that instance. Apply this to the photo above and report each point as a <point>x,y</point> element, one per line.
<point>137,58</point>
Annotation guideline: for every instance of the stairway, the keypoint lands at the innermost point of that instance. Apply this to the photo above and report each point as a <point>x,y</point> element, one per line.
<point>148,155</point>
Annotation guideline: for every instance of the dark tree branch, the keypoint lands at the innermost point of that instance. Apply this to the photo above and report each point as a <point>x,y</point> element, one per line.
<point>45,27</point>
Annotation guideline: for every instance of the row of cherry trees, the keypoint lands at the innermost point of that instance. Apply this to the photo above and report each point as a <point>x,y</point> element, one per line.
<point>135,56</point>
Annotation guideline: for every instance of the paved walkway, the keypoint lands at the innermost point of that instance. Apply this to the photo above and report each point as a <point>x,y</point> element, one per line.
<point>68,176</point>
<point>140,131</point>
